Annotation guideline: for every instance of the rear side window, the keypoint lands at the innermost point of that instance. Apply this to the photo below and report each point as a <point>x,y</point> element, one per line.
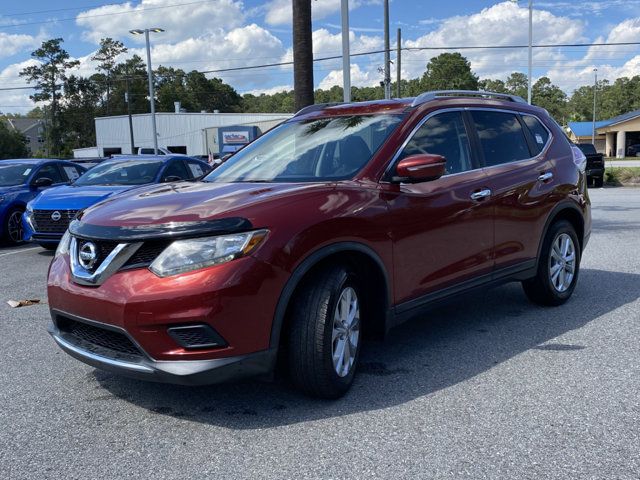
<point>443,134</point>
<point>502,138</point>
<point>177,169</point>
<point>50,171</point>
<point>539,134</point>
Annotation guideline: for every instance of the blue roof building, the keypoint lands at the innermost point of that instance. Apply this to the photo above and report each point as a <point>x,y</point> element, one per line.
<point>616,137</point>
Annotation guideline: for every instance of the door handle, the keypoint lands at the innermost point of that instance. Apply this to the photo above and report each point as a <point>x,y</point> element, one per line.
<point>545,176</point>
<point>479,195</point>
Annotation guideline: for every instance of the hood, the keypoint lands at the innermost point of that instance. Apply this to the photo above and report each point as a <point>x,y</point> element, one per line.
<point>70,197</point>
<point>192,202</point>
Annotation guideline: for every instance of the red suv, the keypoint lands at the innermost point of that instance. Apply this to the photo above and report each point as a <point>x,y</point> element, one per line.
<point>338,224</point>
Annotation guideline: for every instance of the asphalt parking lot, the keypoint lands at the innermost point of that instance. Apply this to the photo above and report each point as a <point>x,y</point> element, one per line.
<point>489,387</point>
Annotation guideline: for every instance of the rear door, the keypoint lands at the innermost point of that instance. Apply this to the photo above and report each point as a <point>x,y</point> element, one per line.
<point>442,230</point>
<point>520,178</point>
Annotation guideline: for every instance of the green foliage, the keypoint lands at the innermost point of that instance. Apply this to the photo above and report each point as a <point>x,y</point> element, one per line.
<point>12,143</point>
<point>449,71</point>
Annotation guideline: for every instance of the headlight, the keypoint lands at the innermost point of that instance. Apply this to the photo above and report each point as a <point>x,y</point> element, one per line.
<point>29,216</point>
<point>191,254</point>
<point>1,198</point>
<point>63,246</point>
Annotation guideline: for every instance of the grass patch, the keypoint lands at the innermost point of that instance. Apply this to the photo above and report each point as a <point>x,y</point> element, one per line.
<point>625,159</point>
<point>622,176</point>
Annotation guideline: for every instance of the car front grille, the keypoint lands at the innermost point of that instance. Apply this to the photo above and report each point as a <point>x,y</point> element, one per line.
<point>99,340</point>
<point>45,224</point>
<point>146,254</point>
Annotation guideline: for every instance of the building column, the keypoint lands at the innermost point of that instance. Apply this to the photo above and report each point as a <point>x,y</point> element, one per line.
<point>609,149</point>
<point>621,144</point>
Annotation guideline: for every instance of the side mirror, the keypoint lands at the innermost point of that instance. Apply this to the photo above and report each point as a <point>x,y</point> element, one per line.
<point>420,168</point>
<point>42,182</point>
<point>172,178</point>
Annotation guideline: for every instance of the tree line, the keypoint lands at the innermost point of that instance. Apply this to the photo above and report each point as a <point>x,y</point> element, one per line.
<point>71,102</point>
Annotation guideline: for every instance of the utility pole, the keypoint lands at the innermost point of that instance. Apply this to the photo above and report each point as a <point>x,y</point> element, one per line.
<point>399,64</point>
<point>530,51</point>
<point>302,54</point>
<point>387,60</point>
<point>595,90</point>
<point>127,98</point>
<point>152,99</point>
<point>346,59</point>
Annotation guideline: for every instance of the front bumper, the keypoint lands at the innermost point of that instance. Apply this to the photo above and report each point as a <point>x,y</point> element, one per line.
<point>182,372</point>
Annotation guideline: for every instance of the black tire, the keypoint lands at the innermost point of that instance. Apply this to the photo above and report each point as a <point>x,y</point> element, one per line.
<point>540,289</point>
<point>8,235</point>
<point>598,182</point>
<point>310,345</point>
<point>48,246</point>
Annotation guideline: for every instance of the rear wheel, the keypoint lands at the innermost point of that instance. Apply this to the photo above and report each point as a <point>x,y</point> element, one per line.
<point>598,182</point>
<point>558,266</point>
<point>13,227</point>
<point>325,333</point>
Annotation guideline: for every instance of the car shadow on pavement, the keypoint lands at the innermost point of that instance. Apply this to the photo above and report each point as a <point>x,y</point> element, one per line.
<point>442,348</point>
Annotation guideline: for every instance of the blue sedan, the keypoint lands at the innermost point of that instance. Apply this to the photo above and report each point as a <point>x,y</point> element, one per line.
<point>20,181</point>
<point>49,214</point>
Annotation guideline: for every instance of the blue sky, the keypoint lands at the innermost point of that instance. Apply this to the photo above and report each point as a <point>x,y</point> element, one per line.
<point>211,34</point>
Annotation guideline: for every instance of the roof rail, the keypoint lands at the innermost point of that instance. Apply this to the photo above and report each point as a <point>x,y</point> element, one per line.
<point>315,107</point>
<point>428,96</point>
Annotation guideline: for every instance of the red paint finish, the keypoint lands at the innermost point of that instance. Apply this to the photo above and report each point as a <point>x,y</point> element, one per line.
<point>427,236</point>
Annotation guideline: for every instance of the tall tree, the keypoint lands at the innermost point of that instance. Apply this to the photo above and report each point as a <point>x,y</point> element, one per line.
<point>47,76</point>
<point>302,54</point>
<point>489,85</point>
<point>517,84</point>
<point>136,70</point>
<point>107,54</point>
<point>78,110</point>
<point>449,71</point>
<point>549,96</point>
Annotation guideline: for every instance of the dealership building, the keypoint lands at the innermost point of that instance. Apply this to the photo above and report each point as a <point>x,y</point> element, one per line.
<point>613,137</point>
<point>179,132</point>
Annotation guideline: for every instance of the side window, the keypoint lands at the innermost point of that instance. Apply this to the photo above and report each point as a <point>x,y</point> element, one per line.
<point>72,172</point>
<point>196,169</point>
<point>539,134</point>
<point>443,134</point>
<point>50,171</point>
<point>176,168</point>
<point>501,137</point>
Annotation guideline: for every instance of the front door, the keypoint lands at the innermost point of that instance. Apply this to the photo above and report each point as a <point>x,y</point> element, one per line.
<point>442,230</point>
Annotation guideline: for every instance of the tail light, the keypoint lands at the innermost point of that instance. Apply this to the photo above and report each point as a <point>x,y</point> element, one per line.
<point>578,158</point>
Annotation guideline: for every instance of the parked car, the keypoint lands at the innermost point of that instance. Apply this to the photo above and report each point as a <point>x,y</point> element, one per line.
<point>151,151</point>
<point>633,150</point>
<point>338,224</point>
<point>595,164</point>
<point>47,216</point>
<point>20,181</point>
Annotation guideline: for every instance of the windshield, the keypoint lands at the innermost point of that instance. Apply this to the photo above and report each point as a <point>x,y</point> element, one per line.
<point>121,172</point>
<point>318,150</point>
<point>587,148</point>
<point>14,174</point>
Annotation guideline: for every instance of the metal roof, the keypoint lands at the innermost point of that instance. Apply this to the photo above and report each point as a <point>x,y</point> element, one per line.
<point>584,129</point>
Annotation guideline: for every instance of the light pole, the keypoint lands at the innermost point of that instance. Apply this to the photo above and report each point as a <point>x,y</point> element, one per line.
<point>595,90</point>
<point>150,75</point>
<point>346,59</point>
<point>530,51</point>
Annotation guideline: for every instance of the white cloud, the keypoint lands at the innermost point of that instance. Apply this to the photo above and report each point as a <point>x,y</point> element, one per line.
<point>179,21</point>
<point>10,44</point>
<point>359,78</point>
<point>15,100</point>
<point>278,12</point>
<point>270,90</point>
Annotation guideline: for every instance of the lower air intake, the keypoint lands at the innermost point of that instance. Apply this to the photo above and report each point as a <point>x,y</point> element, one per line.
<point>196,336</point>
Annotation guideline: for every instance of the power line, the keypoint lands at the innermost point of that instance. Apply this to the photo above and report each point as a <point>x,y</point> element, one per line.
<point>82,17</point>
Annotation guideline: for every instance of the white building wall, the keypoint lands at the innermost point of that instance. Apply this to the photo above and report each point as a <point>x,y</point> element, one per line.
<point>174,129</point>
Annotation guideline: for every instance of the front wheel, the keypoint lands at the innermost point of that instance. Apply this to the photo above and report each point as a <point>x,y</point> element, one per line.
<point>325,334</point>
<point>558,266</point>
<point>13,227</point>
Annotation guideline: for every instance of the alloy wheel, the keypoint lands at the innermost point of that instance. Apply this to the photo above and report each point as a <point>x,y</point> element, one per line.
<point>14,227</point>
<point>346,331</point>
<point>562,262</point>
